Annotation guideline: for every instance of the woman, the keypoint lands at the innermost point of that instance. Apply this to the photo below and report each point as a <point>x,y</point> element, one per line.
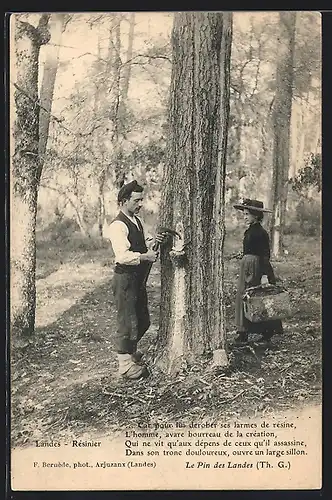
<point>255,264</point>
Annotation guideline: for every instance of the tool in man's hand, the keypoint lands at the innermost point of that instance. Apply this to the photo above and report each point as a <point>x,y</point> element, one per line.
<point>155,247</point>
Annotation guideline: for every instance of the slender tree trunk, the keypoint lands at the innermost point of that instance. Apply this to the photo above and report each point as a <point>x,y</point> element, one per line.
<point>47,88</point>
<point>25,170</point>
<point>119,174</point>
<point>318,145</point>
<point>281,122</point>
<point>127,69</point>
<point>191,321</point>
<point>78,208</point>
<point>238,139</point>
<point>100,96</point>
<point>263,159</point>
<point>297,138</point>
<point>315,140</point>
<point>301,143</point>
<point>74,201</point>
<point>101,203</point>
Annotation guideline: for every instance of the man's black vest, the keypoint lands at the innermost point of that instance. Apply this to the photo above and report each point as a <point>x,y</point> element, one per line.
<point>137,242</point>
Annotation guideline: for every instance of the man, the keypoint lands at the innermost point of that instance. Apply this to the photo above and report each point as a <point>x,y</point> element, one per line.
<point>132,259</point>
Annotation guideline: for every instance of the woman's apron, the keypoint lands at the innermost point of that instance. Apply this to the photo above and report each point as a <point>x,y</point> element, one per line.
<point>252,269</point>
<point>250,275</point>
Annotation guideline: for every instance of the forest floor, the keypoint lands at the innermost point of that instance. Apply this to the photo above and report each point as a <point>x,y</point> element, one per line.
<point>64,382</point>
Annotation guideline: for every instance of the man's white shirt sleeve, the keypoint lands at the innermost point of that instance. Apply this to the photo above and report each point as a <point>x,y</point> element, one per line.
<point>117,233</point>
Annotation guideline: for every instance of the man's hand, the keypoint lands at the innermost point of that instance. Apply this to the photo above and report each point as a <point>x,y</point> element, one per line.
<point>150,256</point>
<point>161,238</point>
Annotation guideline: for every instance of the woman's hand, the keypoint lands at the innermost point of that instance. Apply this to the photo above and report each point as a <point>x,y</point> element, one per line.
<point>264,280</point>
<point>237,255</point>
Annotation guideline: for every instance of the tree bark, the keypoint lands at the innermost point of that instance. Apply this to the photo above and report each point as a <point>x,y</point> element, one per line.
<point>281,122</point>
<point>57,23</point>
<point>25,170</point>
<point>191,320</point>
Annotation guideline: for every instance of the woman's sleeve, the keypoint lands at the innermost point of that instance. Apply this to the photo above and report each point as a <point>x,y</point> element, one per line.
<point>266,265</point>
<point>267,269</point>
<point>266,244</point>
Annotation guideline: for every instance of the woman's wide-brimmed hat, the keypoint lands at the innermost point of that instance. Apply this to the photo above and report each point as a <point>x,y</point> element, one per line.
<point>248,204</point>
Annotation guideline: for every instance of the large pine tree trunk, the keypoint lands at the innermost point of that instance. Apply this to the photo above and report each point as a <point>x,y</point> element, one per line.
<point>192,314</point>
<point>25,170</point>
<point>281,122</point>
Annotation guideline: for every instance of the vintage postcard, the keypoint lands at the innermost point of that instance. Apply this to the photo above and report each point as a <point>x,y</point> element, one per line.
<point>165,228</point>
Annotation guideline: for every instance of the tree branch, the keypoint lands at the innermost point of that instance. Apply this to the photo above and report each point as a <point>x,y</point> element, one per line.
<point>43,33</point>
<point>77,135</point>
<point>91,54</point>
<point>43,21</point>
<point>95,127</point>
<point>130,61</point>
<point>67,19</point>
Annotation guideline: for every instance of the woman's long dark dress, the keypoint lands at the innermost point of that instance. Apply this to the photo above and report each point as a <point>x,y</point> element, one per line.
<point>254,264</point>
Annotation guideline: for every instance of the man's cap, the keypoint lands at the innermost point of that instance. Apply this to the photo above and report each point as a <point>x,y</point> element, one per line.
<point>127,189</point>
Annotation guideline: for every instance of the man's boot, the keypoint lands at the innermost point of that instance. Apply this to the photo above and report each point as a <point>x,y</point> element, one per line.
<point>129,369</point>
<point>241,339</point>
<point>137,357</point>
<point>275,329</point>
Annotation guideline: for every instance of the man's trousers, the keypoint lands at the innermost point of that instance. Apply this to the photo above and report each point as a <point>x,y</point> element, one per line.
<point>131,304</point>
